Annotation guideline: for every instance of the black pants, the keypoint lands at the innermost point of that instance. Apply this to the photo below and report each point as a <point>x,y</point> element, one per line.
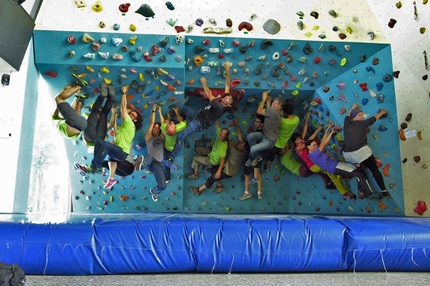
<point>370,163</point>
<point>344,169</point>
<point>211,180</point>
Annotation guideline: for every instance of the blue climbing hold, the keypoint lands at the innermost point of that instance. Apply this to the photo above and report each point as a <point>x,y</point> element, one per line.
<point>379,86</point>
<point>382,128</point>
<point>170,6</point>
<point>364,101</point>
<point>370,69</point>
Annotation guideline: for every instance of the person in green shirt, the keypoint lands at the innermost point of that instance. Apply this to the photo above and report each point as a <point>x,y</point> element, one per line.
<point>120,161</point>
<point>214,156</point>
<point>69,121</point>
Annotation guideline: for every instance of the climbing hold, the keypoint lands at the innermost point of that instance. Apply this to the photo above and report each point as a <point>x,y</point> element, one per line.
<point>116,41</point>
<point>71,54</point>
<point>399,4</point>
<point>205,69</point>
<point>102,24</point>
<point>132,40</point>
<point>424,77</point>
<point>342,98</point>
<point>422,30</point>
<point>396,74</point>
<point>341,85</point>
<point>347,48</point>
<point>116,26</point>
<point>124,49</point>
<point>117,57</point>
<point>307,49</point>
<point>408,117</point>
<point>271,26</point>
<point>314,14</point>
<point>385,170</point>
<point>302,60</point>
<point>52,74</point>
<point>170,6</point>
<point>343,62</point>
<point>89,56</point>
<point>404,125</point>
<point>335,28</point>
<point>332,13</point>
<point>364,101</point>
<point>342,36</point>
<point>372,93</point>
<point>332,48</point>
<point>146,11</point>
<point>419,135</point>
<point>322,36</point>
<point>266,43</point>
<point>300,25</point>
<point>331,61</point>
<point>392,23</point>
<point>275,56</point>
<point>342,110</point>
<point>179,29</point>
<point>370,69</point>
<point>132,28</point>
<point>86,38</point>
<point>363,86</point>
<point>371,35</point>
<point>424,166</point>
<point>421,207</point>
<point>245,25</point>
<point>375,61</point>
<point>97,7</point>
<point>381,98</point>
<point>402,134</point>
<point>379,86</point>
<point>326,88</point>
<point>199,22</point>
<point>171,22</point>
<point>349,30</point>
<point>124,7</point>
<point>417,159</point>
<point>382,128</point>
<point>154,49</point>
<point>217,30</point>
<point>104,70</point>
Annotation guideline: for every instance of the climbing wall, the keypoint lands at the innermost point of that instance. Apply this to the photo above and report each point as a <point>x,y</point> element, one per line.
<point>322,57</point>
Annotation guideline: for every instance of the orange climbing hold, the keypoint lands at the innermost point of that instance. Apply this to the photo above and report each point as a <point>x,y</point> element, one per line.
<point>382,205</point>
<point>402,134</point>
<point>170,87</point>
<point>129,97</point>
<point>385,170</point>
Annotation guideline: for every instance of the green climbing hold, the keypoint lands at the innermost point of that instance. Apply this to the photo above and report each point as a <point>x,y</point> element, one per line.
<point>343,62</point>
<point>145,10</point>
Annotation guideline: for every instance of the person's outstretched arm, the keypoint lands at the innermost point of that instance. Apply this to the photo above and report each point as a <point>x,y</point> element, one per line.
<point>123,110</point>
<point>239,131</point>
<point>208,92</point>
<point>162,120</point>
<point>327,136</point>
<point>151,123</point>
<point>260,109</point>
<point>381,113</point>
<point>227,66</point>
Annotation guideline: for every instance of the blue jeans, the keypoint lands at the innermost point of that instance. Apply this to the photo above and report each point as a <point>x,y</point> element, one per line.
<point>193,125</point>
<point>158,170</point>
<point>258,143</point>
<point>102,149</point>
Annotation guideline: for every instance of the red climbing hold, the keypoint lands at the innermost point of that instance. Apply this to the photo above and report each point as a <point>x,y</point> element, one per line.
<point>245,25</point>
<point>317,60</point>
<point>363,86</point>
<point>421,207</point>
<point>124,7</point>
<point>51,74</point>
<point>235,82</point>
<point>179,29</point>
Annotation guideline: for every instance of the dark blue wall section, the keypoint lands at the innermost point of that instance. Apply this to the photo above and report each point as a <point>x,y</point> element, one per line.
<point>228,244</point>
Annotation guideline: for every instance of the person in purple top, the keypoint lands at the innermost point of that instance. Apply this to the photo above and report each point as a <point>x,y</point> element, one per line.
<point>330,165</point>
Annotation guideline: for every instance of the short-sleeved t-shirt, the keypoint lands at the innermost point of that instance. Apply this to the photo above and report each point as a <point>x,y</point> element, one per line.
<point>304,155</point>
<point>155,147</point>
<point>325,162</point>
<point>355,135</point>
<point>210,114</point>
<point>62,127</point>
<point>234,158</point>
<point>286,130</point>
<point>170,140</point>
<point>125,134</point>
<point>272,122</point>
<point>219,149</point>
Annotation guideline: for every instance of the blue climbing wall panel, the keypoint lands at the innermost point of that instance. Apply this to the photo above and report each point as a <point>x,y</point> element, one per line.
<point>296,70</point>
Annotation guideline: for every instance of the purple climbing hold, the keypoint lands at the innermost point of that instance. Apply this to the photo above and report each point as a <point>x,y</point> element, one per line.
<point>146,11</point>
<point>341,85</point>
<point>199,22</point>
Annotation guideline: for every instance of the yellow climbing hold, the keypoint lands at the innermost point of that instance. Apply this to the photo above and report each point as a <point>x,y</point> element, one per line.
<point>107,81</point>
<point>132,28</point>
<point>160,71</point>
<point>316,27</point>
<point>343,62</point>
<point>244,122</point>
<point>308,34</point>
<point>349,30</point>
<point>419,135</point>
<point>141,77</point>
<point>90,69</point>
<point>81,75</point>
<point>157,88</point>
<point>87,38</point>
<point>104,70</point>
<point>298,85</point>
<point>399,5</point>
<point>423,30</point>
<point>145,105</point>
<point>425,2</point>
<point>133,40</point>
<point>97,7</point>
